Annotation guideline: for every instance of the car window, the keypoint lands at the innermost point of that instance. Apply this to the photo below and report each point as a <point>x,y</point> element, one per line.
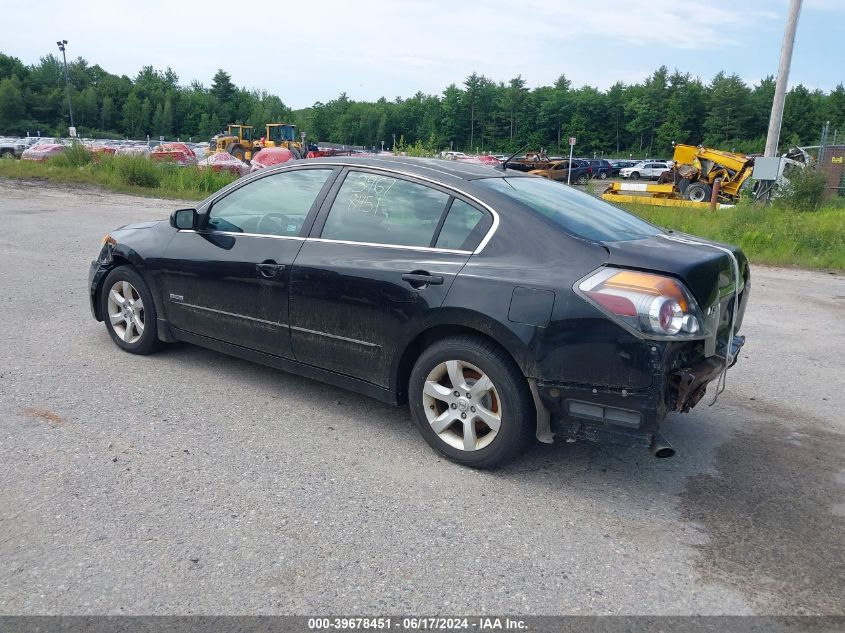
<point>384,210</point>
<point>574,211</point>
<point>464,227</point>
<point>273,205</point>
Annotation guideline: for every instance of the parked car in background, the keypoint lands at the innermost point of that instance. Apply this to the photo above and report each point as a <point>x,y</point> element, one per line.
<point>558,170</point>
<point>617,165</point>
<point>14,147</point>
<point>488,299</point>
<point>530,162</point>
<point>43,149</point>
<point>601,168</point>
<point>646,170</point>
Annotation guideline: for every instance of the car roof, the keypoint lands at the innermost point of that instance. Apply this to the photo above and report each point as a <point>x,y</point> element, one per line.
<point>423,167</point>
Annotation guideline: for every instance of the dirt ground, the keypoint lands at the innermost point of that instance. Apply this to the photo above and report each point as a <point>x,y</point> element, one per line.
<point>190,482</point>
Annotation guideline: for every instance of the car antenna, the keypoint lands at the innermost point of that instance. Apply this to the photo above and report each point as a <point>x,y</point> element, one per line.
<point>510,158</point>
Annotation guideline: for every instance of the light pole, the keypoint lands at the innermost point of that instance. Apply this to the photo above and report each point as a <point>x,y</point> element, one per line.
<point>773,136</point>
<point>61,44</point>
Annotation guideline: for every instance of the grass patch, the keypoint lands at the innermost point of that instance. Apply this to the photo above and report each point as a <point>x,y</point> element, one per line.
<point>775,235</point>
<point>125,174</point>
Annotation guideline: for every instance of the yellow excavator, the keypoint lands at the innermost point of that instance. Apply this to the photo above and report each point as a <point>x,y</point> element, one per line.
<point>690,181</point>
<point>239,140</point>
<point>282,135</point>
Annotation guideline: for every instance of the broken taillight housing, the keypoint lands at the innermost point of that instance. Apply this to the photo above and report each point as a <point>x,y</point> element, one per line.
<point>647,304</point>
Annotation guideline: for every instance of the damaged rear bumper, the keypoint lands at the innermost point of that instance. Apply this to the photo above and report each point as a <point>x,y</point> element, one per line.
<point>690,383</point>
<point>599,413</point>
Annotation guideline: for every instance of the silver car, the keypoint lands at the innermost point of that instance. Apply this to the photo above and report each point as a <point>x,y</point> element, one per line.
<point>646,169</point>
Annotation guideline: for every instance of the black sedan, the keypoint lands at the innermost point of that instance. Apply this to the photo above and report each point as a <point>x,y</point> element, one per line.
<point>499,305</point>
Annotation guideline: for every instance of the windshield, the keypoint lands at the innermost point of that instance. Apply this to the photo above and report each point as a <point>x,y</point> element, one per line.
<point>574,211</point>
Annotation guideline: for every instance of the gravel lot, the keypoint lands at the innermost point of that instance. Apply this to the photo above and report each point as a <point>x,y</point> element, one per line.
<point>190,482</point>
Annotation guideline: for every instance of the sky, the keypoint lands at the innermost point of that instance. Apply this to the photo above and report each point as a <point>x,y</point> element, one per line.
<point>309,51</point>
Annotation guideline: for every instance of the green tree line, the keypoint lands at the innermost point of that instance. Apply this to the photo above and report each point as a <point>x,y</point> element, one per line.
<point>479,115</point>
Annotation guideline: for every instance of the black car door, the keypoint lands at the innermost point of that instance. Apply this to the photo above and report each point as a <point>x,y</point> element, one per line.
<point>229,279</point>
<point>382,254</point>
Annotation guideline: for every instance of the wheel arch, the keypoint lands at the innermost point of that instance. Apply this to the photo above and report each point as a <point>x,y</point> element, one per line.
<point>122,256</point>
<point>451,322</point>
<point>455,322</point>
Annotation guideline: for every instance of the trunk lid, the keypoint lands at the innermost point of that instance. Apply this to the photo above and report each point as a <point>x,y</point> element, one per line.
<point>704,270</point>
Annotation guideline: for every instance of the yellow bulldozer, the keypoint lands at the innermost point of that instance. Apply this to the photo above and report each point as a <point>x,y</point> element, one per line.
<point>690,181</point>
<point>239,140</point>
<point>282,135</point>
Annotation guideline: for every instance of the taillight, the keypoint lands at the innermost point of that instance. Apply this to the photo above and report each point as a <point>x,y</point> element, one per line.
<point>651,305</point>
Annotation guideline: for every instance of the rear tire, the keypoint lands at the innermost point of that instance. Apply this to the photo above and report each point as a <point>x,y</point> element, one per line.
<point>126,304</point>
<point>699,192</point>
<point>491,419</point>
<point>602,175</point>
<point>581,180</point>
<point>238,152</point>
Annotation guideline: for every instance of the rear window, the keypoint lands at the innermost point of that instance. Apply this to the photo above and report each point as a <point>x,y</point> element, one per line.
<point>574,211</point>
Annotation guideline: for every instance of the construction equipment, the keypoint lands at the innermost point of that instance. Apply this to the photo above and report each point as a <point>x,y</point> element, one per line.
<point>690,181</point>
<point>237,140</point>
<point>282,135</point>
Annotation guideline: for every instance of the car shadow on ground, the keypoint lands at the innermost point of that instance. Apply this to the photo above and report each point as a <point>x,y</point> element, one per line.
<point>764,511</point>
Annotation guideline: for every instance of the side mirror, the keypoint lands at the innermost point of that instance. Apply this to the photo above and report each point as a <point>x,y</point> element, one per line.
<point>183,219</point>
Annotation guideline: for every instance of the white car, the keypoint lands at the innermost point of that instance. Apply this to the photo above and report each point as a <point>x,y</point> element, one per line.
<point>647,169</point>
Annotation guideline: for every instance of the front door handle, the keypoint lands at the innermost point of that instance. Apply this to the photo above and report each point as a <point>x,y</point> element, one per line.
<point>420,279</point>
<point>269,269</point>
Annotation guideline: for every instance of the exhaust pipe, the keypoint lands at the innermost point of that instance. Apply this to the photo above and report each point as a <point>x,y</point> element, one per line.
<point>660,447</point>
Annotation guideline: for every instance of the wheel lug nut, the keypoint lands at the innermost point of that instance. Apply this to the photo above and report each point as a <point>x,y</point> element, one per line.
<point>469,395</point>
<point>454,406</point>
<point>463,416</point>
<point>457,395</point>
<point>472,409</point>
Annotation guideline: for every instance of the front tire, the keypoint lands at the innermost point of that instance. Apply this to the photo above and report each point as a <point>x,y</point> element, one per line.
<point>698,192</point>
<point>490,420</point>
<point>129,312</point>
<point>635,176</point>
<point>238,152</point>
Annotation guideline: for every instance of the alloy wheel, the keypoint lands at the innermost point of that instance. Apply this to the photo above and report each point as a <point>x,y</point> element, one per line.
<point>462,405</point>
<point>126,311</point>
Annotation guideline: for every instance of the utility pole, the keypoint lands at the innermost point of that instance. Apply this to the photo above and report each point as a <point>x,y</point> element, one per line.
<point>776,119</point>
<point>61,44</point>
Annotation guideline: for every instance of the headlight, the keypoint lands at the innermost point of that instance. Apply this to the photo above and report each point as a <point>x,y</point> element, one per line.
<point>105,256</point>
<point>649,305</point>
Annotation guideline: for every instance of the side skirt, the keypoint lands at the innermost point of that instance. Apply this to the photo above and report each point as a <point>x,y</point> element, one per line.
<point>291,366</point>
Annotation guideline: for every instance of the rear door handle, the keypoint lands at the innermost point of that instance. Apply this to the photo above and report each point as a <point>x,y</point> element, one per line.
<point>419,279</point>
<point>269,269</point>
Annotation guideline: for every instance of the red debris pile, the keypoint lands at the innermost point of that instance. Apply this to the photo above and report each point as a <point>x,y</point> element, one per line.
<point>178,153</point>
<point>271,156</point>
<point>224,162</point>
<point>100,148</point>
<point>40,153</point>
